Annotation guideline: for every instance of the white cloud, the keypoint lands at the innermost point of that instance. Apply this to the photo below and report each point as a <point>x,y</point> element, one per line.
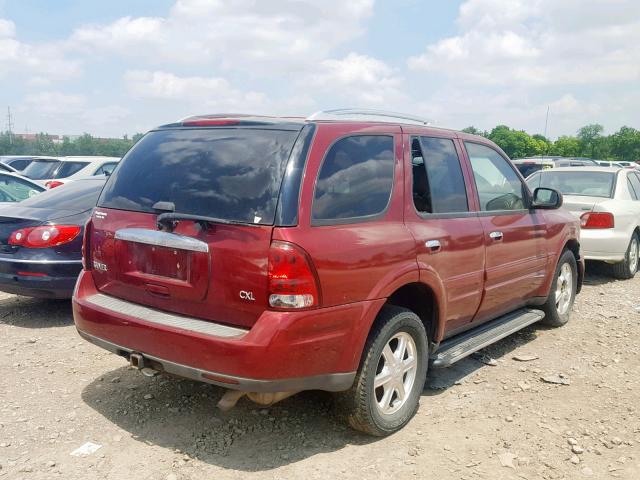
<point>229,34</point>
<point>539,43</point>
<point>202,91</point>
<point>32,59</point>
<point>55,103</point>
<point>357,78</point>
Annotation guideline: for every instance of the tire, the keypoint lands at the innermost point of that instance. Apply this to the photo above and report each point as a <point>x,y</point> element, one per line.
<point>565,281</point>
<point>381,411</point>
<point>629,266</point>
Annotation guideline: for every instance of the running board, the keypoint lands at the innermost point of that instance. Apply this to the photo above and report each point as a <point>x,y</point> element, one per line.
<point>463,345</point>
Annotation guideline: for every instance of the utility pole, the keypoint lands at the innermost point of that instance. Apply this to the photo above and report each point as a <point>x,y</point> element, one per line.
<point>9,125</point>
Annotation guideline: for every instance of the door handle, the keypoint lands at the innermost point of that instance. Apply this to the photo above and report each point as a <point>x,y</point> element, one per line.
<point>497,236</point>
<point>433,245</point>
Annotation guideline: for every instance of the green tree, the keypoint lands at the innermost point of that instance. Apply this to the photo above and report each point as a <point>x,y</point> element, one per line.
<point>589,137</point>
<point>565,146</point>
<point>473,131</point>
<point>625,144</point>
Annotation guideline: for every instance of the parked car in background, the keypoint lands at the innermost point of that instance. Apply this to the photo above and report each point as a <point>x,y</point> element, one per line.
<point>607,201</point>
<point>530,165</point>
<point>7,168</point>
<point>20,162</point>
<point>54,172</point>
<point>602,163</point>
<point>341,253</point>
<point>15,188</point>
<point>41,240</point>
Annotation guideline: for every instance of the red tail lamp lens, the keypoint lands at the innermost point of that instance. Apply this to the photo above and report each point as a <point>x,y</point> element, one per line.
<point>293,283</point>
<point>53,184</point>
<point>43,237</point>
<point>597,220</point>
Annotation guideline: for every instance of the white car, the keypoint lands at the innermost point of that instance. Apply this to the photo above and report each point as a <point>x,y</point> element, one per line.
<point>607,201</point>
<point>52,172</point>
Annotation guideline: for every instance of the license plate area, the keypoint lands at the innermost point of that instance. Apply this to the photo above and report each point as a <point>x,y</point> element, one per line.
<point>163,271</point>
<point>159,261</point>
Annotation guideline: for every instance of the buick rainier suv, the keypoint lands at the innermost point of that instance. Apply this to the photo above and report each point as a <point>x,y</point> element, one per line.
<point>349,252</point>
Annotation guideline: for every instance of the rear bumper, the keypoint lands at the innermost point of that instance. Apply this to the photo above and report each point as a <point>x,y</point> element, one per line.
<point>608,245</point>
<point>283,351</point>
<point>43,279</point>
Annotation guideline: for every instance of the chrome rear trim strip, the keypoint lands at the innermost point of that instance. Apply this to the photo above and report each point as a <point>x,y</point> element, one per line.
<point>166,319</point>
<point>161,239</point>
<point>40,262</point>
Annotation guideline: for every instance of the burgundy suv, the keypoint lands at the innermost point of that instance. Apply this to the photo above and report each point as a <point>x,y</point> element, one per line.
<point>344,252</point>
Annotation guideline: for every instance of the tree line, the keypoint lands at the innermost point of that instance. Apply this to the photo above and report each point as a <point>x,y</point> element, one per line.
<point>589,141</point>
<point>86,144</point>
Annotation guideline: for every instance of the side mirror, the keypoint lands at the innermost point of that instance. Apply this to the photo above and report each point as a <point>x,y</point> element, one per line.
<point>546,198</point>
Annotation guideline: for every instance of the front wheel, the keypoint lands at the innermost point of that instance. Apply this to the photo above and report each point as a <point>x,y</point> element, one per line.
<point>557,308</point>
<point>629,266</point>
<point>392,373</point>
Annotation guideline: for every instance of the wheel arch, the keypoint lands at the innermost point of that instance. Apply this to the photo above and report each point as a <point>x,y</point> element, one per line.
<point>573,245</point>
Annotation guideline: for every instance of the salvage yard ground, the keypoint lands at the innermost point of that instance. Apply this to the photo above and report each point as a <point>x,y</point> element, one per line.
<point>493,416</point>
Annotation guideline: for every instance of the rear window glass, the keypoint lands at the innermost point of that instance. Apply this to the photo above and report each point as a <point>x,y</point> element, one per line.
<point>41,169</point>
<point>527,169</point>
<point>69,168</point>
<point>80,195</point>
<point>228,173</point>
<point>355,179</point>
<point>590,184</point>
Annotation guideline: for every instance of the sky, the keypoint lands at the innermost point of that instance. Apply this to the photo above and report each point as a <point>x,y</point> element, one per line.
<point>126,66</point>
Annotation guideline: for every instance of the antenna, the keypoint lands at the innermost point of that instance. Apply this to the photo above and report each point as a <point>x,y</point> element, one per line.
<point>546,124</point>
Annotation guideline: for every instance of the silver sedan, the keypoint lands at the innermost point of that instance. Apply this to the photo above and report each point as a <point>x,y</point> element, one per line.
<point>607,201</point>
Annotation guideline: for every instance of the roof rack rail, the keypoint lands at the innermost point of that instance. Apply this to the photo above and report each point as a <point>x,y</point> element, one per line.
<point>354,115</point>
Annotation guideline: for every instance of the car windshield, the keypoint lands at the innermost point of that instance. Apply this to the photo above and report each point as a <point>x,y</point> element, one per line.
<point>227,173</point>
<point>13,189</point>
<point>79,196</point>
<point>590,184</point>
<point>41,169</point>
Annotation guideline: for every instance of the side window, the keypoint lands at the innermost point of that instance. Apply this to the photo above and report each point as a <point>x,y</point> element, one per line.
<point>105,169</point>
<point>108,168</point>
<point>635,185</point>
<point>355,179</point>
<point>438,184</point>
<point>499,188</point>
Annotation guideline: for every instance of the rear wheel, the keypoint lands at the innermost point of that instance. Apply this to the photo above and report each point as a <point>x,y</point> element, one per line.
<point>557,308</point>
<point>387,387</point>
<point>629,266</point>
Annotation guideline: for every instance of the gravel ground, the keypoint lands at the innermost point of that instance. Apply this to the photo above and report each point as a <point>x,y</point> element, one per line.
<point>491,416</point>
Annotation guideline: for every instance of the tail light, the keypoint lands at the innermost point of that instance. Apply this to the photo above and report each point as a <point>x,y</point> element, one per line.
<point>293,282</point>
<point>86,250</point>
<point>45,236</point>
<point>53,184</point>
<point>597,220</point>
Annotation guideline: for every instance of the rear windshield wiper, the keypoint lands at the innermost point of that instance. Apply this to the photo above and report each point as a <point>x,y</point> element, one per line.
<point>168,221</point>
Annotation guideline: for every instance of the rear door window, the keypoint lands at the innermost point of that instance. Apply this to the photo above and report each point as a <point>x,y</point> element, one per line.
<point>438,184</point>
<point>227,173</point>
<point>355,180</point>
